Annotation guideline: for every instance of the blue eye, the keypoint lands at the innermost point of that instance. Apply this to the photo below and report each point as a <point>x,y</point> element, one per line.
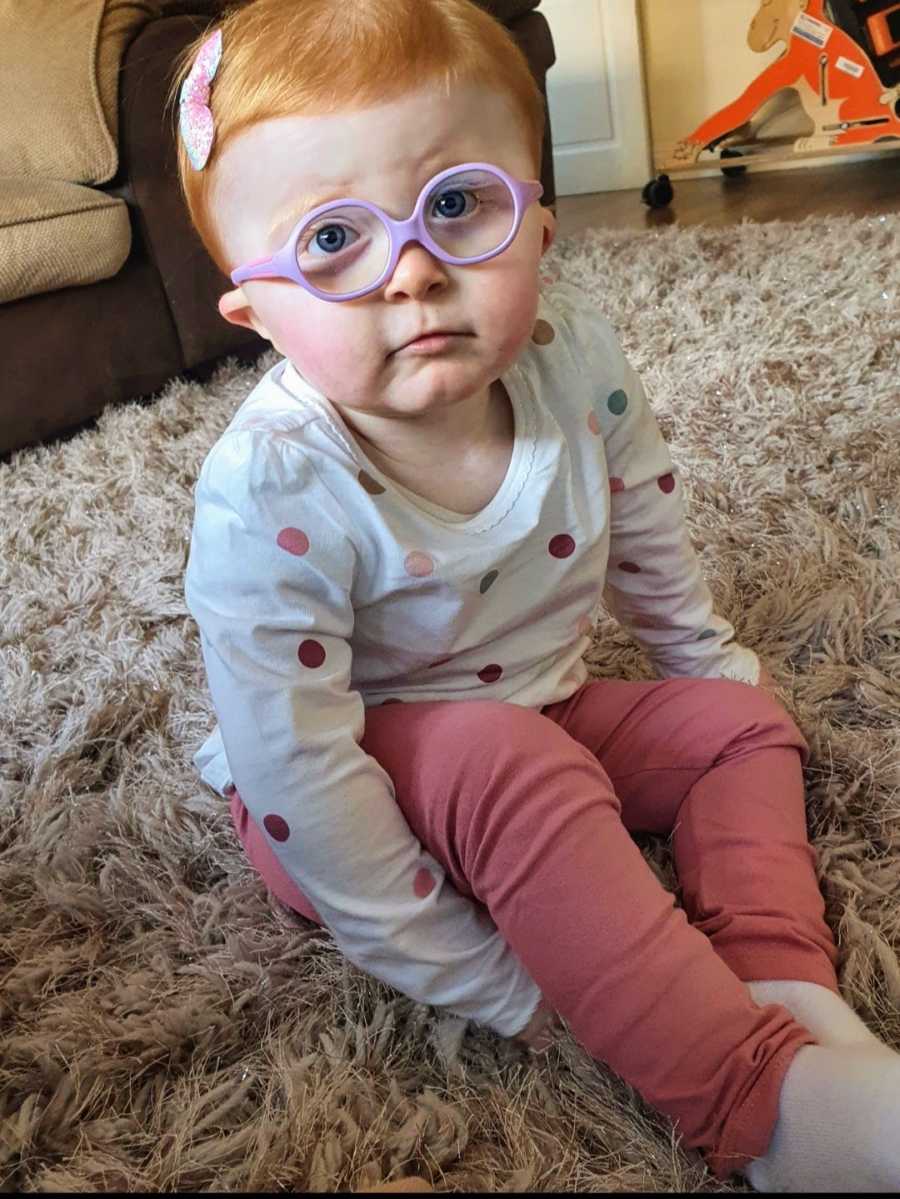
<point>452,203</point>
<point>330,238</point>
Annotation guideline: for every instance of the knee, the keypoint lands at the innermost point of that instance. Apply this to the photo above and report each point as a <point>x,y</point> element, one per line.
<point>753,712</point>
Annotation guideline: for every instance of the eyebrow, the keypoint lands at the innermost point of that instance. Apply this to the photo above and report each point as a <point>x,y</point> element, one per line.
<point>305,204</point>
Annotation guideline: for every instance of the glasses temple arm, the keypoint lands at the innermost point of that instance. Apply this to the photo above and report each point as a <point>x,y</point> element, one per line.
<point>250,269</point>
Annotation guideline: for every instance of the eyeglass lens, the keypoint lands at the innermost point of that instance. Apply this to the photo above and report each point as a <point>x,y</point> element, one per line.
<point>348,248</point>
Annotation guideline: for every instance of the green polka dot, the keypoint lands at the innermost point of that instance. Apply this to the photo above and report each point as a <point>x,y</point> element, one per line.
<point>488,579</point>
<point>706,634</point>
<point>617,403</point>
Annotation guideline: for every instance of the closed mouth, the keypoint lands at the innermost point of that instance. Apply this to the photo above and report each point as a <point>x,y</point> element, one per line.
<point>424,337</point>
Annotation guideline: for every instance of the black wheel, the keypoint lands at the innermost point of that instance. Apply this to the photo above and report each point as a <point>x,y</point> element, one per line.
<point>732,172</point>
<point>658,193</point>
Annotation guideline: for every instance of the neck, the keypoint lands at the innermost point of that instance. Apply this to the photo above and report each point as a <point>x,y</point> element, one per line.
<point>427,442</point>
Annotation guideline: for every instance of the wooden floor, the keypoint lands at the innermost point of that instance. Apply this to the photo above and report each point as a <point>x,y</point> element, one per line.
<point>855,188</point>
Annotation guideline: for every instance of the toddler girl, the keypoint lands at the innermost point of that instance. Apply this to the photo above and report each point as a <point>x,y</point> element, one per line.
<point>400,543</point>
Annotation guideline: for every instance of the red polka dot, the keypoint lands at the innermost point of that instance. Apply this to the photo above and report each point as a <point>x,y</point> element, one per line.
<point>294,541</point>
<point>424,883</point>
<point>594,424</point>
<point>666,483</point>
<point>630,568</point>
<point>418,564</point>
<point>616,484</point>
<point>369,484</point>
<point>561,546</point>
<point>277,828</point>
<point>490,674</point>
<point>543,333</point>
<point>230,790</point>
<point>311,653</point>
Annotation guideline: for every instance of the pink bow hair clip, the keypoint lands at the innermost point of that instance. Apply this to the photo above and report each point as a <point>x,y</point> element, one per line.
<point>195,119</point>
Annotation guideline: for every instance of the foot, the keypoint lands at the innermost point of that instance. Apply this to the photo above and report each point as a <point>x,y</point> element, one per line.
<point>838,1127</point>
<point>828,1017</point>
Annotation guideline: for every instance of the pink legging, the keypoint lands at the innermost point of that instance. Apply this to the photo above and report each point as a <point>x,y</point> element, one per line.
<point>530,814</point>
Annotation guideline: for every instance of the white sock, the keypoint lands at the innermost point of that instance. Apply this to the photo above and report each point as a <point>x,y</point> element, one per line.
<point>830,1020</point>
<point>838,1127</point>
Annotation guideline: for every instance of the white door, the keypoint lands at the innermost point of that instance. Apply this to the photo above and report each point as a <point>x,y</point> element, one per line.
<point>595,92</point>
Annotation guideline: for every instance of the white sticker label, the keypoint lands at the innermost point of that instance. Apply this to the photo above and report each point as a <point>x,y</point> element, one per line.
<point>811,29</point>
<point>850,68</point>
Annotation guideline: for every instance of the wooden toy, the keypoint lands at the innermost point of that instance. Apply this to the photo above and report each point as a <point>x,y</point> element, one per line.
<point>841,57</point>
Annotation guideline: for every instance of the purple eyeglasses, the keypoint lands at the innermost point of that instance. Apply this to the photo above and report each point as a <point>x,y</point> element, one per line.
<point>347,248</point>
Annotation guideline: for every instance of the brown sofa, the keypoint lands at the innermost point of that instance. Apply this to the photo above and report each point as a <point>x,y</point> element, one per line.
<point>148,312</point>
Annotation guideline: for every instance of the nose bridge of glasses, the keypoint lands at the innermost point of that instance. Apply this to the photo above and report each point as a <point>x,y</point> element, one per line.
<point>410,230</point>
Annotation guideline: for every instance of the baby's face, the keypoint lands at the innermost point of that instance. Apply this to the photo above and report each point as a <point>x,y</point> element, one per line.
<point>351,351</point>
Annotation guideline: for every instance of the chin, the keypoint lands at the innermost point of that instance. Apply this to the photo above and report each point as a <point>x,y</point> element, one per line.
<point>438,390</point>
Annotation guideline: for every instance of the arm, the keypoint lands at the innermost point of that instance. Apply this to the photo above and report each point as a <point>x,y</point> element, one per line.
<point>275,620</point>
<point>654,584</point>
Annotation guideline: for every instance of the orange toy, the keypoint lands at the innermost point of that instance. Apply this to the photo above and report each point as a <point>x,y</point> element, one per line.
<point>831,70</point>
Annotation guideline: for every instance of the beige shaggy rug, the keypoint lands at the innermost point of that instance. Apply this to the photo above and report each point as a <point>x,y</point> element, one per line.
<point>164,1025</point>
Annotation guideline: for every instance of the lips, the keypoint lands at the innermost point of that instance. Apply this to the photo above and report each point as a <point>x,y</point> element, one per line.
<point>430,333</point>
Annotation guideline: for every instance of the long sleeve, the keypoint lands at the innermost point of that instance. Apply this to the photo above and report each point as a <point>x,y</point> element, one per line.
<point>654,585</point>
<point>269,583</point>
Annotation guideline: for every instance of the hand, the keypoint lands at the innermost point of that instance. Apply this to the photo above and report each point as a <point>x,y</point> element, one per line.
<point>541,1030</point>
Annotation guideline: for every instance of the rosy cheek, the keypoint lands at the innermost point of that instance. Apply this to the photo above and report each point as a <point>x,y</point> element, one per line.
<point>314,358</point>
<point>516,294</point>
<point>310,340</point>
<point>518,322</point>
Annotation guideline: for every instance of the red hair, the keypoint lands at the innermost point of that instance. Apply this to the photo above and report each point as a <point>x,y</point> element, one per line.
<point>316,57</point>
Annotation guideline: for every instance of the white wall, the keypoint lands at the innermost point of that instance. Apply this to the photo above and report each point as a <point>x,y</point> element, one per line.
<point>696,60</point>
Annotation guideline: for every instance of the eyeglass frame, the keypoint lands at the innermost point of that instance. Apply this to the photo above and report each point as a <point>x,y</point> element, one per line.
<point>283,263</point>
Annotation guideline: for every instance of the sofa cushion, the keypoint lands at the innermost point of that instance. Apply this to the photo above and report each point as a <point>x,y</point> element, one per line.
<point>55,234</point>
<point>59,68</point>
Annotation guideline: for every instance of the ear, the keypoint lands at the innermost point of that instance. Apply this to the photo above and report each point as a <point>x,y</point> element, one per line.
<point>548,219</point>
<point>235,308</point>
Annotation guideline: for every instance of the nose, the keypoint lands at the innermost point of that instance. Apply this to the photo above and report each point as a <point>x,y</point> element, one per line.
<point>416,274</point>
